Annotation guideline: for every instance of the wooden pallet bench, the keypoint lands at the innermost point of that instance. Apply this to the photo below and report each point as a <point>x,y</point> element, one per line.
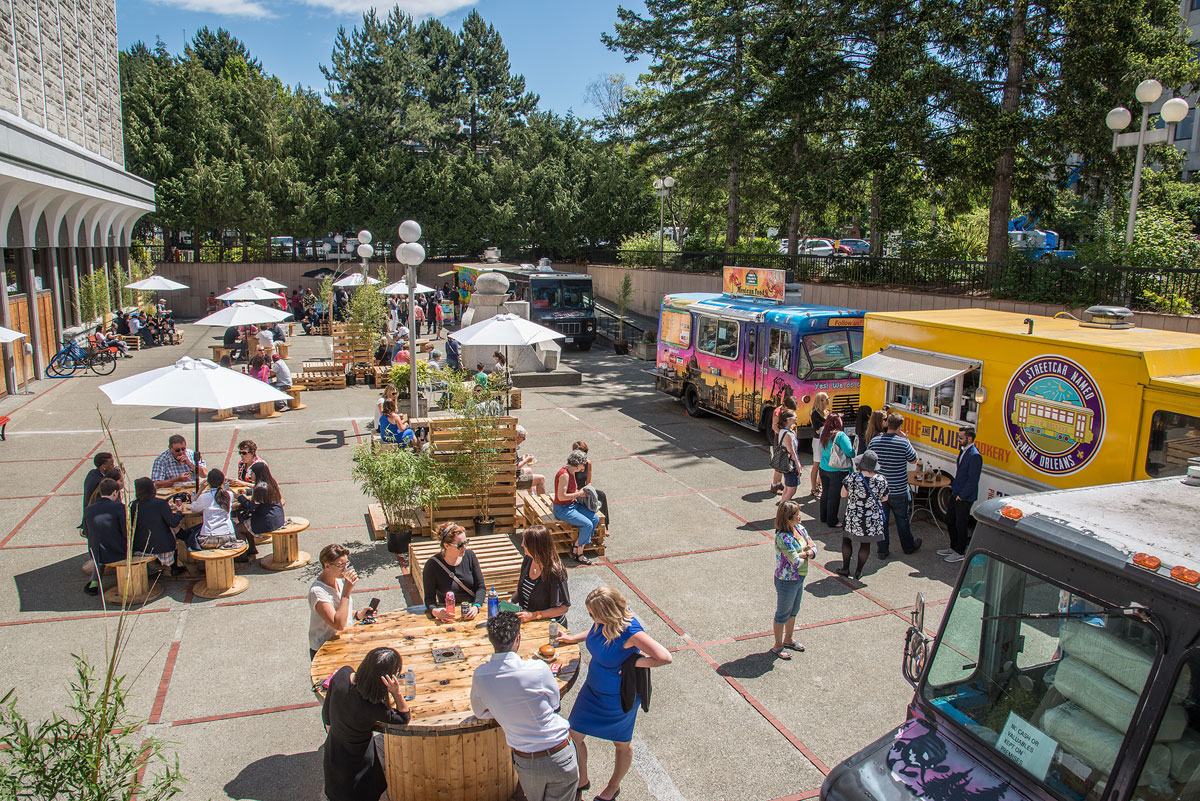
<point>132,341</point>
<point>498,558</point>
<point>319,381</point>
<point>538,510</point>
<point>379,523</point>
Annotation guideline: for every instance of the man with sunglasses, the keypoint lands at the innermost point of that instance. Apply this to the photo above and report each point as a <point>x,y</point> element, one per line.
<point>176,465</point>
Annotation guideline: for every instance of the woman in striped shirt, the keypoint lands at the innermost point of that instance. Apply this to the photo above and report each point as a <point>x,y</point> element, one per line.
<point>542,589</point>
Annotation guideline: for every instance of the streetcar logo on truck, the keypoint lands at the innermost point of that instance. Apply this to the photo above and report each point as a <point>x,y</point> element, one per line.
<point>1054,415</point>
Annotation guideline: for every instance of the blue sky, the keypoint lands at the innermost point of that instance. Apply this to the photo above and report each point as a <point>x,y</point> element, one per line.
<point>555,44</point>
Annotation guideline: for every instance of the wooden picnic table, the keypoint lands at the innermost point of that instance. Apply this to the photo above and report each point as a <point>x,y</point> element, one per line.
<point>444,751</point>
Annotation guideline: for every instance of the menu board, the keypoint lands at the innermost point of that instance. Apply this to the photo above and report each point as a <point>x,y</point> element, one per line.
<point>751,282</point>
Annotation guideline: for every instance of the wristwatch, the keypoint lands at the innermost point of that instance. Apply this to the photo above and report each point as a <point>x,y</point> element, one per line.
<point>537,615</point>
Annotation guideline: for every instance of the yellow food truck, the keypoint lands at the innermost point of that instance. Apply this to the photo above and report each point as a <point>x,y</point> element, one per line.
<point>1056,402</point>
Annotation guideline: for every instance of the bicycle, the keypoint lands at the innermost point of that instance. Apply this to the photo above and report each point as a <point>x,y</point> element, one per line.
<point>72,357</point>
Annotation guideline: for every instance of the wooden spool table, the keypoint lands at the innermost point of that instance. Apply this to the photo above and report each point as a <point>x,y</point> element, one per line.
<point>219,580</point>
<point>285,546</point>
<point>132,578</point>
<point>220,350</point>
<point>444,751</point>
<point>295,403</point>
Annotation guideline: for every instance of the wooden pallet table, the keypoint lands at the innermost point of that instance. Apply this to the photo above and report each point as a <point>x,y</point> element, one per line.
<point>444,751</point>
<point>285,546</point>
<point>220,580</point>
<point>538,510</point>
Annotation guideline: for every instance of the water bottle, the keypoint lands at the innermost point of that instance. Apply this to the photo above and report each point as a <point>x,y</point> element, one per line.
<point>554,632</point>
<point>410,685</point>
<point>450,608</point>
<point>493,603</point>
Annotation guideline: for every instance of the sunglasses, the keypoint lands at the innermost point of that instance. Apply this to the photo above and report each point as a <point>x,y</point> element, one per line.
<point>462,545</point>
<point>178,450</point>
<point>244,453</point>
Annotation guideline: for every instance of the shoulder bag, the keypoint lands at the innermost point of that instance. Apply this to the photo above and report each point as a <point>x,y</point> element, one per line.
<point>781,460</point>
<point>469,593</point>
<point>838,460</point>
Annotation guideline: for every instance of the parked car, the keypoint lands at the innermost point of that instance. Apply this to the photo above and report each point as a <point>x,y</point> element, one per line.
<point>856,247</point>
<point>818,247</point>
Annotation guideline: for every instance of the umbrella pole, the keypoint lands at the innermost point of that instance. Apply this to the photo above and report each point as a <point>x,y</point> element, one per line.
<point>196,451</point>
<point>505,375</point>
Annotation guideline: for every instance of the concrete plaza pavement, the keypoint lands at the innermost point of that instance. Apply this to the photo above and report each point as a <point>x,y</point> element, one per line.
<point>226,682</point>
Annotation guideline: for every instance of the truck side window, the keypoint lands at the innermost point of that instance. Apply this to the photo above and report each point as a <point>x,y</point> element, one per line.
<point>718,337</point>
<point>1055,696</point>
<point>1172,768</point>
<point>779,354</point>
<point>1174,438</point>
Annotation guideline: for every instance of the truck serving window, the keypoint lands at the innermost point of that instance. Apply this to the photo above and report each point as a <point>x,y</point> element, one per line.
<point>718,337</point>
<point>1174,438</point>
<point>676,328</point>
<point>1172,768</point>
<point>953,400</point>
<point>1046,678</point>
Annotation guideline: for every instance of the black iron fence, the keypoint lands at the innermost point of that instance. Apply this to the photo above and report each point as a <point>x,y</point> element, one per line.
<point>608,324</point>
<point>1170,290</point>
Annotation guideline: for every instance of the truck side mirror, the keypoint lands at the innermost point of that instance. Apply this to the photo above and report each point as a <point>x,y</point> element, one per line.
<point>916,651</point>
<point>918,613</point>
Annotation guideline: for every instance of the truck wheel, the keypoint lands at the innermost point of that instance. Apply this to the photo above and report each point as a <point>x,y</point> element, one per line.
<point>691,402</point>
<point>942,503</point>
<point>584,346</point>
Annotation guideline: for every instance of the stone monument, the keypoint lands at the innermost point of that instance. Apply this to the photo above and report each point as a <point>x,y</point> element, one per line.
<point>489,298</point>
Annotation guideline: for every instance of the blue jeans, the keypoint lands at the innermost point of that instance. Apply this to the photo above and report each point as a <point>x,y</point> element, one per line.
<point>788,594</point>
<point>897,506</point>
<point>580,516</point>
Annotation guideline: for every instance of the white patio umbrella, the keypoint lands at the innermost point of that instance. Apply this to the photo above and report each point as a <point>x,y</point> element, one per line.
<point>8,335</point>
<point>243,314</point>
<point>354,279</point>
<point>156,283</point>
<point>401,288</point>
<point>191,383</point>
<point>258,282</point>
<point>504,330</point>
<point>249,293</point>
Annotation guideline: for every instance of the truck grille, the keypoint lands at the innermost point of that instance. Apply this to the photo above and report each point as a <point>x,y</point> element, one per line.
<point>847,407</point>
<point>568,328</point>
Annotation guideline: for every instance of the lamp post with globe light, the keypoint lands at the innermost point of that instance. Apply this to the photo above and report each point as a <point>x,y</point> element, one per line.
<point>1173,111</point>
<point>662,188</point>
<point>365,251</point>
<point>410,253</point>
<point>338,239</point>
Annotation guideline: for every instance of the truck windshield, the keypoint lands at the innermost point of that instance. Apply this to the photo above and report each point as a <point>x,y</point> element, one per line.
<point>1046,678</point>
<point>831,351</point>
<point>576,296</point>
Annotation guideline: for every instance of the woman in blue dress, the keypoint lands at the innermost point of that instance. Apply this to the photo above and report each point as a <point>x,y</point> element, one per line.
<point>614,637</point>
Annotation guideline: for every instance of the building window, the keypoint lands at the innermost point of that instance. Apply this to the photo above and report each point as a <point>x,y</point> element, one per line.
<point>1183,131</point>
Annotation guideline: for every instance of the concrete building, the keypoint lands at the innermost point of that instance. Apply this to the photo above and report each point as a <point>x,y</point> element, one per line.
<point>1186,137</point>
<point>67,205</point>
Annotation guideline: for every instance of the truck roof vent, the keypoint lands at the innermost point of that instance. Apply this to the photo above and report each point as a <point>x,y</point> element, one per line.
<point>1107,317</point>
<point>491,255</point>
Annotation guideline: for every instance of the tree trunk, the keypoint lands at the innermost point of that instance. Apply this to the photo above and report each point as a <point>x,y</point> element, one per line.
<point>876,214</point>
<point>793,232</point>
<point>1002,181</point>
<point>735,181</point>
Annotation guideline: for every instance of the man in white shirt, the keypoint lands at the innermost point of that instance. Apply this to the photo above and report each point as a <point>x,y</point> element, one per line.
<point>522,695</point>
<point>265,338</point>
<point>281,374</point>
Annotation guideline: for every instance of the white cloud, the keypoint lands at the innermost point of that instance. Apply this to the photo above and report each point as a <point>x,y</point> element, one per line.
<point>231,8</point>
<point>416,8</point>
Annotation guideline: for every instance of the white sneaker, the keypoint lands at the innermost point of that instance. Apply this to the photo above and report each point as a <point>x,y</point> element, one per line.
<point>955,557</point>
<point>946,552</point>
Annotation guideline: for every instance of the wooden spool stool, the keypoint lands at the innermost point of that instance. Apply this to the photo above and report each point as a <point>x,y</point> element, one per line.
<point>282,349</point>
<point>285,547</point>
<point>266,410</point>
<point>220,581</point>
<point>223,414</point>
<point>295,403</point>
<point>132,578</point>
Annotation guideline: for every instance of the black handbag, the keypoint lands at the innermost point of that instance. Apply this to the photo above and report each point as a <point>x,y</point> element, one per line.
<point>781,460</point>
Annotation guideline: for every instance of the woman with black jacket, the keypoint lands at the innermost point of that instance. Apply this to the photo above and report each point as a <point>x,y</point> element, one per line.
<point>453,569</point>
<point>542,588</point>
<point>154,522</point>
<point>262,512</point>
<point>106,530</point>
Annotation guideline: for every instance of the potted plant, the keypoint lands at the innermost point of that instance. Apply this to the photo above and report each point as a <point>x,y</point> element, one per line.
<point>647,348</point>
<point>620,345</point>
<point>399,375</point>
<point>478,458</point>
<point>404,482</point>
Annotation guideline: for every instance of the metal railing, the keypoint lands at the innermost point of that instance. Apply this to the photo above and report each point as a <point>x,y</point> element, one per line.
<point>608,322</point>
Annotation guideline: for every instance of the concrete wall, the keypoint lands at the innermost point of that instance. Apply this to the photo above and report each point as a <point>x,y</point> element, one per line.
<point>63,74</point>
<point>649,286</point>
<point>188,304</point>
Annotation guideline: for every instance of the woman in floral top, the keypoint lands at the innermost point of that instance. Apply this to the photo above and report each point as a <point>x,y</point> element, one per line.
<point>793,549</point>
<point>865,492</point>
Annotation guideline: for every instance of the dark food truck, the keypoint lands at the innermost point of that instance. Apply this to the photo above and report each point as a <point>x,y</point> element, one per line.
<point>1067,663</point>
<point>559,300</point>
